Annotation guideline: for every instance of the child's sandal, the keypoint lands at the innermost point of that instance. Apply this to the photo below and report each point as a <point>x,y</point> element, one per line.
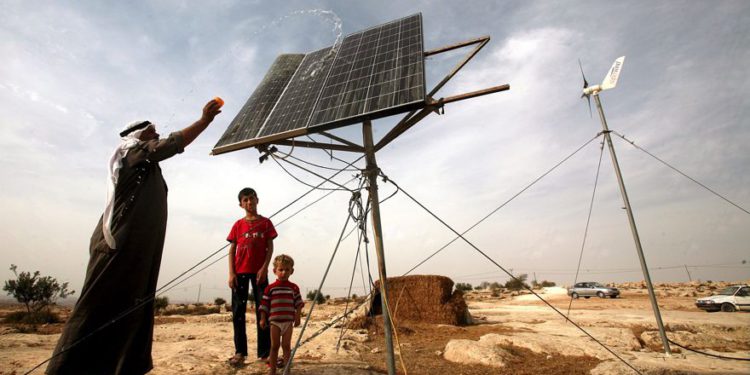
<point>237,360</point>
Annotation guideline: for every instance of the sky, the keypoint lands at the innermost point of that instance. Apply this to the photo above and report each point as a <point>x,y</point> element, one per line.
<point>74,73</point>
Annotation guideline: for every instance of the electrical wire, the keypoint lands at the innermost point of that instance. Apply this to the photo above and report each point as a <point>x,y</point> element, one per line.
<point>311,172</point>
<point>348,296</point>
<point>312,203</point>
<point>320,166</point>
<point>275,159</point>
<point>315,187</point>
<point>362,229</point>
<point>709,354</point>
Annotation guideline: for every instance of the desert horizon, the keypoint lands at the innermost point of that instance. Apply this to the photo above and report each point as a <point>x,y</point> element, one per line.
<point>511,332</point>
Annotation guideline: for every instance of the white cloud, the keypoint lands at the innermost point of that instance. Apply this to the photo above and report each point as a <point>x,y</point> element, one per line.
<point>73,74</point>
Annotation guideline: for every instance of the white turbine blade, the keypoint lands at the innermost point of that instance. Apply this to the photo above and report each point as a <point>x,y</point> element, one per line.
<point>610,81</point>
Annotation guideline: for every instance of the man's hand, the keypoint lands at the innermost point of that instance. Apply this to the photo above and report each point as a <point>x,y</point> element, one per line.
<point>297,321</point>
<point>262,276</point>
<point>211,109</point>
<point>263,322</point>
<point>232,281</point>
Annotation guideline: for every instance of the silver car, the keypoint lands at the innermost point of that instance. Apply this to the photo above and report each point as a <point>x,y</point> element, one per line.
<point>589,289</point>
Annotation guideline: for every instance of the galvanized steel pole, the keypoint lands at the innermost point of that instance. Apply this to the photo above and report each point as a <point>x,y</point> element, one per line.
<point>372,176</point>
<point>633,228</point>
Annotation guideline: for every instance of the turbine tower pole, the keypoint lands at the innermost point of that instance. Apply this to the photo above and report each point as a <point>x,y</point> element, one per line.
<point>633,228</point>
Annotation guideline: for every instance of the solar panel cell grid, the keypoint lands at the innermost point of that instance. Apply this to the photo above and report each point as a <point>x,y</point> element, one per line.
<point>375,72</point>
<point>257,108</point>
<point>295,106</point>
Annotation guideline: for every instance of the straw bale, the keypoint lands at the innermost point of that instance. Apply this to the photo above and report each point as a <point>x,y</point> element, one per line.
<point>422,298</point>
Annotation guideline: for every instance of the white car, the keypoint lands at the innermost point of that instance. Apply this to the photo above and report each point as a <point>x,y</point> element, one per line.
<point>729,299</point>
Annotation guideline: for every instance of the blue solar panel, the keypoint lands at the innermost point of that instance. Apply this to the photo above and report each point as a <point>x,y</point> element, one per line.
<point>253,114</point>
<point>374,73</point>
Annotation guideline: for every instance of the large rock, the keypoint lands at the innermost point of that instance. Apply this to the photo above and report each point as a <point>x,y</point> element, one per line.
<point>482,352</point>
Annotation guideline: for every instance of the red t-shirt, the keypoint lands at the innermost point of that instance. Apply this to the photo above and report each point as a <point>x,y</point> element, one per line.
<point>251,238</point>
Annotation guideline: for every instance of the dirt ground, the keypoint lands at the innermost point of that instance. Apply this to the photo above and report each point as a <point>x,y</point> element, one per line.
<point>533,338</point>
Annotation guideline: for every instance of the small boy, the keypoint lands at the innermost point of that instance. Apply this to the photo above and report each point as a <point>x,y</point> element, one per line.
<point>249,255</point>
<point>281,305</point>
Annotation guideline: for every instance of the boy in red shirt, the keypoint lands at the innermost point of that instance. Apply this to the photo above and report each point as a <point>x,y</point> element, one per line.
<point>282,306</point>
<point>249,256</point>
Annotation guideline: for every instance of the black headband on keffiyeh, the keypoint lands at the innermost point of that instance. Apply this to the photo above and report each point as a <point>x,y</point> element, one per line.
<point>134,127</point>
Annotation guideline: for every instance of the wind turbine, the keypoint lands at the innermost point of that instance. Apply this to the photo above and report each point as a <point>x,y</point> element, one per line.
<point>609,82</point>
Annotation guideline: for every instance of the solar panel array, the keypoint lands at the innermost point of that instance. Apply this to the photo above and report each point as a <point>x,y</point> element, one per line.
<point>255,111</point>
<point>373,73</point>
<point>376,69</point>
<point>294,108</point>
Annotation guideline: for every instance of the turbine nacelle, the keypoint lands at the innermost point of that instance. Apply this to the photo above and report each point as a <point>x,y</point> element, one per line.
<point>610,80</point>
<point>595,89</point>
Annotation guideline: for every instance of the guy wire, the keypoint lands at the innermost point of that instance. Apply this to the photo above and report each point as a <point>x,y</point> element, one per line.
<point>516,279</point>
<point>315,300</point>
<point>153,296</point>
<point>369,297</point>
<point>504,203</point>
<point>588,221</point>
<point>632,143</point>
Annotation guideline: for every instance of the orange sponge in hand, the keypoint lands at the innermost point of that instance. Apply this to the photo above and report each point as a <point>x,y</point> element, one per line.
<point>220,101</point>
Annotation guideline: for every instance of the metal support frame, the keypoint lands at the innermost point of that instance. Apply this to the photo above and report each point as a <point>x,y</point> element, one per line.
<point>481,42</point>
<point>369,148</point>
<point>633,228</point>
<point>371,170</point>
<point>342,140</point>
<point>413,117</point>
<point>434,105</point>
<point>324,146</point>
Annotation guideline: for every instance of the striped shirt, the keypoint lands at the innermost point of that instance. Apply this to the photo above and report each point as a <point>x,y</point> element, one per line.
<point>281,300</point>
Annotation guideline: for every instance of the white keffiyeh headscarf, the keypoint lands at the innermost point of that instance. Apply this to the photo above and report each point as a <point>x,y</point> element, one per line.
<point>130,137</point>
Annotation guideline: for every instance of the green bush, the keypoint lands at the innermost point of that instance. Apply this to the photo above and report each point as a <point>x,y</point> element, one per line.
<point>197,310</point>
<point>220,301</point>
<point>314,295</point>
<point>34,291</point>
<point>161,303</point>
<point>517,283</point>
<point>33,317</point>
<point>464,287</point>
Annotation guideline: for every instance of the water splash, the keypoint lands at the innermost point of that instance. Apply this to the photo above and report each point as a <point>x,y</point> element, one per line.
<point>236,51</point>
<point>331,17</point>
<point>334,19</point>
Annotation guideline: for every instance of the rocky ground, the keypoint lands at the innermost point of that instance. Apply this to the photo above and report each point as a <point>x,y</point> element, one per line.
<point>513,333</point>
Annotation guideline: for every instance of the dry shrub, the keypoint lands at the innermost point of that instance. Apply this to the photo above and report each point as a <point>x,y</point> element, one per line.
<point>197,310</point>
<point>360,322</point>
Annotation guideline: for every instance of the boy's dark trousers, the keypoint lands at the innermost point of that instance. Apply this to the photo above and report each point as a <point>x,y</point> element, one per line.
<point>239,307</point>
